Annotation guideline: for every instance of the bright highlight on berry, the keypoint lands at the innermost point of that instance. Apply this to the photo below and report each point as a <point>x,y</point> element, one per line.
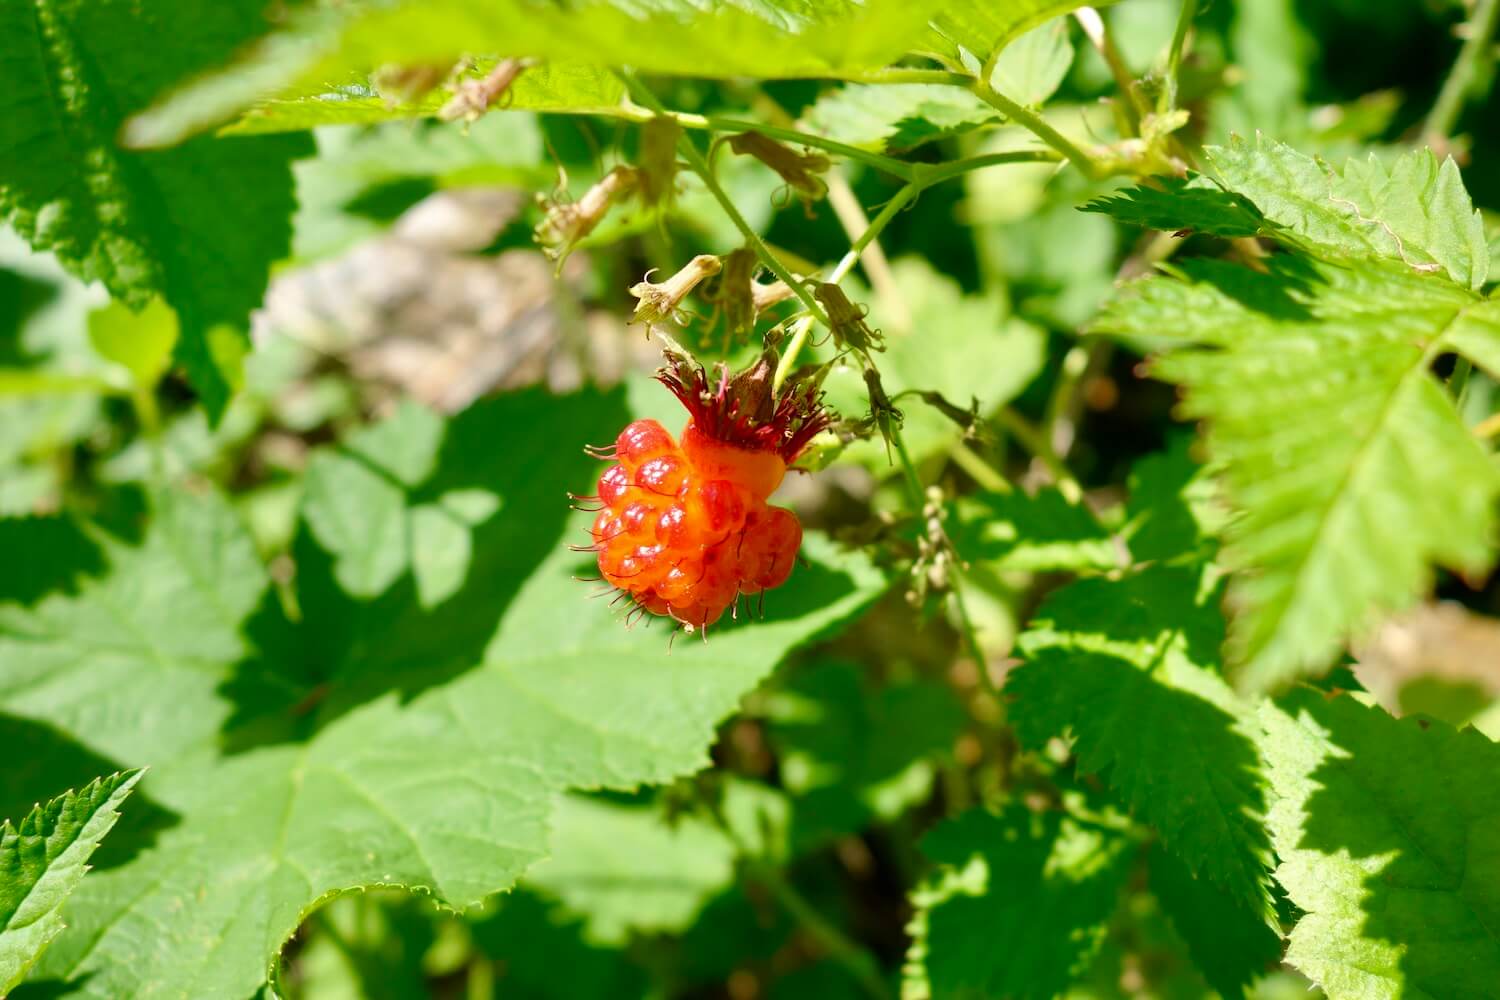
<point>684,529</point>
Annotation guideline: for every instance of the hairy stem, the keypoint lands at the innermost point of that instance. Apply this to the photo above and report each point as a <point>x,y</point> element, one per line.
<point>1036,125</point>
<point>1093,26</point>
<point>1185,16</point>
<point>803,329</point>
<point>700,166</point>
<point>1472,58</point>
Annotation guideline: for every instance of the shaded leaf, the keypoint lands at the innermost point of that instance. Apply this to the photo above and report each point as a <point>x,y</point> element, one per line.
<point>1230,944</point>
<point>772,38</point>
<point>1130,668</point>
<point>374,741</point>
<point>1038,533</point>
<point>143,224</point>
<point>1175,203</point>
<point>1389,837</point>
<point>1018,906</point>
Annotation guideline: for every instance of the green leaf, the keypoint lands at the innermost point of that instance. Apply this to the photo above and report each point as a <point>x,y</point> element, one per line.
<point>140,341</point>
<point>143,224</point>
<point>966,347</point>
<point>628,869</point>
<point>767,39</point>
<point>1320,405</point>
<point>1130,668</point>
<point>1231,944</point>
<point>1173,508</point>
<point>1017,907</point>
<point>901,116</point>
<point>1039,533</point>
<point>1389,838</point>
<point>43,860</point>
<point>563,87</point>
<point>896,116</point>
<point>1415,211</point>
<point>1175,203</point>
<point>373,740</point>
<point>969,32</point>
<point>851,753</point>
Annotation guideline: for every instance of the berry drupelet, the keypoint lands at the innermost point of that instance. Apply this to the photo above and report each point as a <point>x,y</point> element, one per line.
<point>685,528</point>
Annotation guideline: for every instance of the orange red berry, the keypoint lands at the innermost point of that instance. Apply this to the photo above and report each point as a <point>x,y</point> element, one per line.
<point>685,527</point>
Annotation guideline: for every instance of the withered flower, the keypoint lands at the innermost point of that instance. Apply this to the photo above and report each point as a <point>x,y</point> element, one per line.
<point>661,301</point>
<point>734,292</point>
<point>565,222</point>
<point>658,161</point>
<point>847,320</point>
<point>472,98</point>
<point>799,170</point>
<point>767,295</point>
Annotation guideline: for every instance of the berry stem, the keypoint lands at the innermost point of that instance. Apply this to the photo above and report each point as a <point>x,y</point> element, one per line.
<point>840,271</point>
<point>700,166</point>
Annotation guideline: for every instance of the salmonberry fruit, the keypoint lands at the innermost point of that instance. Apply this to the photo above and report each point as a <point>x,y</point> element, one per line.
<point>685,528</point>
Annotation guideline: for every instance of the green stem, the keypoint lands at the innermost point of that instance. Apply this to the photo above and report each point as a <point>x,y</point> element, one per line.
<point>978,469</point>
<point>860,963</point>
<point>803,328</point>
<point>1093,26</point>
<point>890,165</point>
<point>700,166</point>
<point>1185,17</point>
<point>1036,442</point>
<point>1036,125</point>
<point>1466,68</point>
<point>1458,382</point>
<point>927,175</point>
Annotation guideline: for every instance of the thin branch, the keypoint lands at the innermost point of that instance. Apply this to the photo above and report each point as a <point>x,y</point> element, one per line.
<point>1036,125</point>
<point>1458,87</point>
<point>1098,35</point>
<point>700,166</point>
<point>1185,16</point>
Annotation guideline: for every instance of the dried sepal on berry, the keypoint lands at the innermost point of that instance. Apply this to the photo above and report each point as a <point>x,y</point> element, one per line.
<point>799,170</point>
<point>565,223</point>
<point>683,528</point>
<point>743,409</point>
<point>847,320</point>
<point>657,161</point>
<point>662,301</point>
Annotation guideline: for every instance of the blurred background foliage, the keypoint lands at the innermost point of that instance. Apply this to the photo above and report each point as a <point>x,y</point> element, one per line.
<point>413,276</point>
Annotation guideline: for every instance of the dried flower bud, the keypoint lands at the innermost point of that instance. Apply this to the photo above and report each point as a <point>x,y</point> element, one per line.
<point>658,161</point>
<point>766,296</point>
<point>472,98</point>
<point>565,223</point>
<point>734,292</point>
<point>661,301</point>
<point>799,170</point>
<point>847,320</point>
<point>398,84</point>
